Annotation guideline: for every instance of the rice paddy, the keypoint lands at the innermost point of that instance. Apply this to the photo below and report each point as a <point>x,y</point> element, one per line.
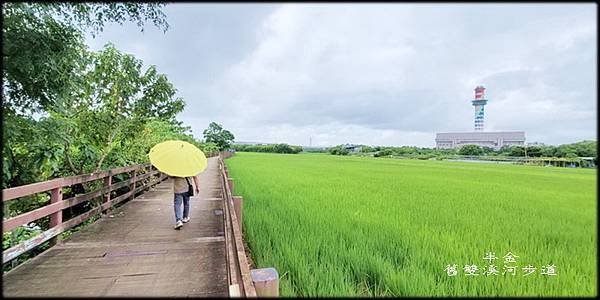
<point>352,226</point>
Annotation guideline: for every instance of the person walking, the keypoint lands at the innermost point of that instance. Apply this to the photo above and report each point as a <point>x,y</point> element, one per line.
<point>182,187</point>
<point>182,162</point>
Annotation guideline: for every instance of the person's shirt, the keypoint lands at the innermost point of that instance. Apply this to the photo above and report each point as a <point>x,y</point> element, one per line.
<point>180,185</point>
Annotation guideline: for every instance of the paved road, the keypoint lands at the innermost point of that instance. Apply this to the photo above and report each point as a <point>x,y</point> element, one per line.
<point>137,252</point>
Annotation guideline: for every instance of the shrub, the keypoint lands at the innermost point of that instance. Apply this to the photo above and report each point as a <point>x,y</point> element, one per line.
<point>470,150</point>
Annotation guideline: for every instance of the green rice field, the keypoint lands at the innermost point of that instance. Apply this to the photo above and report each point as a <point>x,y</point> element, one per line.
<point>352,226</point>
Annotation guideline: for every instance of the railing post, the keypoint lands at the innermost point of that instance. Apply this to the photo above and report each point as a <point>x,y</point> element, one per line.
<point>151,181</point>
<point>238,202</point>
<point>230,183</point>
<point>56,196</point>
<point>107,184</point>
<point>55,218</point>
<point>266,282</point>
<point>133,188</point>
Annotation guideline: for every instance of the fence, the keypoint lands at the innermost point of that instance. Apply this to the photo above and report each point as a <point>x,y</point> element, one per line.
<point>243,282</point>
<point>145,173</point>
<point>579,162</point>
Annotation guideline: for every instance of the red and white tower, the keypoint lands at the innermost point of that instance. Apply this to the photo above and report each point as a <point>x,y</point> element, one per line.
<point>479,103</point>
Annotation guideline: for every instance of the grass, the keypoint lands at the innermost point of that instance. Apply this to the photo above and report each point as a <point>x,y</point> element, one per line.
<point>355,226</point>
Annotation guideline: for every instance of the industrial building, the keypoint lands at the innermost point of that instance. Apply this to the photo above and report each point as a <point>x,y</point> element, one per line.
<point>495,140</point>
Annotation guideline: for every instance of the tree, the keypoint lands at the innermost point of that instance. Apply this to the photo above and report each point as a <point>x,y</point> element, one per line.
<point>114,100</point>
<point>216,134</point>
<point>39,56</point>
<point>586,148</point>
<point>487,150</point>
<point>534,151</point>
<point>91,128</point>
<point>367,149</point>
<point>470,150</point>
<point>43,43</point>
<point>208,148</point>
<point>46,70</point>
<point>283,148</point>
<point>517,151</point>
<point>339,150</point>
<point>65,110</point>
<point>387,151</point>
<point>571,155</point>
<point>31,150</point>
<point>548,151</point>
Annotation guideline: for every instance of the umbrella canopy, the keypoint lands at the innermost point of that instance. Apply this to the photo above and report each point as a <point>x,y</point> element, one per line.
<point>178,158</point>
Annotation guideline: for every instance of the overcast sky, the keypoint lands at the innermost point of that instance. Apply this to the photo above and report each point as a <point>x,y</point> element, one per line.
<point>378,74</point>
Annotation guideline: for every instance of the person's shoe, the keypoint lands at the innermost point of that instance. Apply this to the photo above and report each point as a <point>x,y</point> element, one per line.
<point>178,224</point>
<point>185,220</point>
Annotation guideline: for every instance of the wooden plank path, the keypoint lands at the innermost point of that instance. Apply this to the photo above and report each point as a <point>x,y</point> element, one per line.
<point>136,252</point>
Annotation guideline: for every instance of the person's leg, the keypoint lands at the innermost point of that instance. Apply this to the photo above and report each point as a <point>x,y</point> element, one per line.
<point>177,205</point>
<point>186,206</point>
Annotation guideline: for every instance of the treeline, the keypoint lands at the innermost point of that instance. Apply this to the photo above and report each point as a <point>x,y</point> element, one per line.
<point>338,150</point>
<point>406,151</point>
<point>579,149</point>
<point>270,148</point>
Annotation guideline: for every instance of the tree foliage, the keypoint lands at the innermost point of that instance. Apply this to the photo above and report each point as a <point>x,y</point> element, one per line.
<point>42,51</point>
<point>470,150</point>
<point>114,102</point>
<point>39,57</point>
<point>579,149</point>
<point>339,150</point>
<point>216,134</point>
<point>87,132</point>
<point>367,149</point>
<point>67,110</point>
<point>411,152</point>
<point>270,148</point>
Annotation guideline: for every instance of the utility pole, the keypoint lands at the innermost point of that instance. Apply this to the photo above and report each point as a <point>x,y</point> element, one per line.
<point>310,141</point>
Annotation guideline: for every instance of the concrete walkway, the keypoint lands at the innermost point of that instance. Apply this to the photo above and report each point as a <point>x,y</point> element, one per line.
<point>136,252</point>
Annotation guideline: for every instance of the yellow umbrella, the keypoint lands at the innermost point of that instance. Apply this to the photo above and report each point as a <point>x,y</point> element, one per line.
<point>178,158</point>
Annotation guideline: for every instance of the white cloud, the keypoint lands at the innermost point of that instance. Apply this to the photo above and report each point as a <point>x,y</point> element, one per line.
<point>397,69</point>
<point>388,74</point>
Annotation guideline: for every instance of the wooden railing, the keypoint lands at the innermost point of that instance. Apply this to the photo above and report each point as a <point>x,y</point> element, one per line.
<point>243,282</point>
<point>143,172</point>
<point>225,154</point>
<point>238,270</point>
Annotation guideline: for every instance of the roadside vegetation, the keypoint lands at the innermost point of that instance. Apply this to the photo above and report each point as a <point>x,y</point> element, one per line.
<point>68,110</point>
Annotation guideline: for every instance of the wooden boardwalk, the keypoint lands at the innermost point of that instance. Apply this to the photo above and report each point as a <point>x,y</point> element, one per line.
<point>136,252</point>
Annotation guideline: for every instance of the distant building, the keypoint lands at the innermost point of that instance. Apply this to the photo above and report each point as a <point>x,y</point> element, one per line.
<point>250,143</point>
<point>352,147</point>
<point>313,149</point>
<point>495,140</point>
